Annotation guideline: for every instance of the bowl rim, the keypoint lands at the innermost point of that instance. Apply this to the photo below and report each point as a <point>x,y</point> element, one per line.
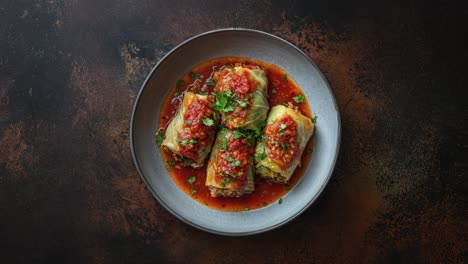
<point>180,217</point>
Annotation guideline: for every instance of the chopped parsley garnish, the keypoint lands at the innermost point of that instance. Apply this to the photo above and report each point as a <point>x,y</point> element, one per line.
<point>265,204</point>
<point>191,179</point>
<point>185,142</point>
<point>284,145</point>
<point>280,201</point>
<point>285,77</point>
<point>188,122</point>
<point>264,138</point>
<point>238,134</point>
<point>211,83</point>
<point>224,143</point>
<point>176,94</point>
<point>273,91</point>
<point>182,142</point>
<point>229,159</point>
<point>246,209</point>
<point>225,101</point>
<point>242,104</point>
<point>225,180</point>
<point>236,163</point>
<point>310,151</point>
<point>299,98</point>
<point>314,119</point>
<point>171,163</point>
<point>180,83</point>
<point>159,136</point>
<point>193,192</point>
<point>204,93</point>
<point>288,187</point>
<point>260,154</point>
<point>281,130</point>
<point>208,121</point>
<point>194,75</point>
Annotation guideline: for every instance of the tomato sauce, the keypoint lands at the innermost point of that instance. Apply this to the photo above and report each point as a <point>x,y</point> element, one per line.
<point>281,90</point>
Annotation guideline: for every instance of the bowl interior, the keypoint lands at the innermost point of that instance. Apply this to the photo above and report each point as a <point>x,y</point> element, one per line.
<point>258,46</point>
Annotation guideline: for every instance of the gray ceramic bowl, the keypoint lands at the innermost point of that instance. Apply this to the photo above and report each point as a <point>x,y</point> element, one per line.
<point>243,43</point>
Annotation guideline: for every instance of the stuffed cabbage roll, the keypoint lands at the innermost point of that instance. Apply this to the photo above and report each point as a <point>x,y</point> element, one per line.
<point>241,96</point>
<point>231,167</point>
<point>283,140</point>
<point>191,133</point>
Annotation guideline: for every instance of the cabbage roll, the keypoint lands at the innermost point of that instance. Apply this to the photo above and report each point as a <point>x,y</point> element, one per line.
<point>241,96</point>
<point>231,169</point>
<point>190,135</point>
<point>283,140</point>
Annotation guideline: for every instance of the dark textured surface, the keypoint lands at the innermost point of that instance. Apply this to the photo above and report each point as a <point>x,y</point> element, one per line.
<point>69,74</point>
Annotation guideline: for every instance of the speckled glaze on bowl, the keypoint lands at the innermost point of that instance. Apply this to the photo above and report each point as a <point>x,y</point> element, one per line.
<point>258,46</point>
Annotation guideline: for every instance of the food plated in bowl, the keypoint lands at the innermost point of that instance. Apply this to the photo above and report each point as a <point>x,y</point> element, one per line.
<point>284,202</point>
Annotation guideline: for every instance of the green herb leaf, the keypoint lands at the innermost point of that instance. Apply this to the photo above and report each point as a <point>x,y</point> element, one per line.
<point>280,201</point>
<point>171,163</point>
<point>193,192</point>
<point>193,141</point>
<point>242,104</point>
<point>285,77</point>
<point>314,119</point>
<point>208,121</point>
<point>191,179</point>
<point>236,163</point>
<point>229,159</point>
<point>180,83</point>
<point>182,142</point>
<point>194,75</point>
<point>224,143</point>
<point>204,93</point>
<point>310,151</point>
<point>299,98</point>
<point>288,187</point>
<point>281,133</point>
<point>225,181</point>
<point>238,134</point>
<point>246,209</point>
<point>176,94</point>
<point>211,83</point>
<point>282,126</point>
<point>265,204</point>
<point>225,101</point>
<point>159,137</point>
<point>188,122</point>
<point>260,154</point>
<point>273,91</point>
<point>284,145</point>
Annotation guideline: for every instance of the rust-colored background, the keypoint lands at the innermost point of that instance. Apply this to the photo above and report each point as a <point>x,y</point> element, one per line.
<point>69,74</point>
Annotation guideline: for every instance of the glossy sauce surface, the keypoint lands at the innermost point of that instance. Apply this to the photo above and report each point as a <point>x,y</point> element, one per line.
<point>281,89</point>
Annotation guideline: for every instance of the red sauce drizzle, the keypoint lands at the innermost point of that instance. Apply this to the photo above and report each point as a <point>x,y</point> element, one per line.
<point>281,89</point>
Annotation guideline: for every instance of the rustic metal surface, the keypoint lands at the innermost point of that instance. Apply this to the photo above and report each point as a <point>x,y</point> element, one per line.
<point>69,73</point>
